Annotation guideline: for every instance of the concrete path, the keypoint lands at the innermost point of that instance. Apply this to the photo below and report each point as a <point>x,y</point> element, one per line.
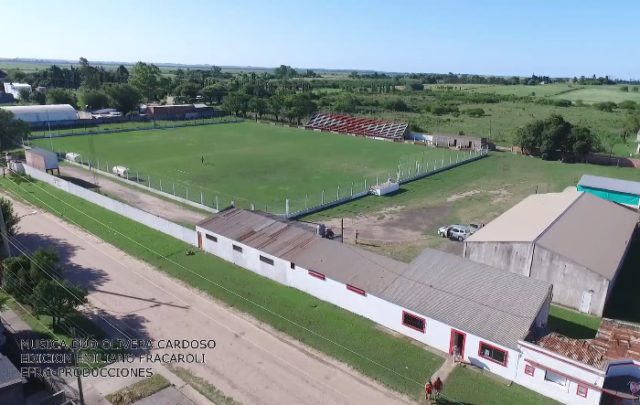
<point>445,369</point>
<point>251,362</point>
<point>137,198</point>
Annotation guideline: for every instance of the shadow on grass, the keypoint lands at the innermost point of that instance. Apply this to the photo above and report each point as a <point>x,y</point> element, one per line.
<point>623,303</point>
<point>570,329</point>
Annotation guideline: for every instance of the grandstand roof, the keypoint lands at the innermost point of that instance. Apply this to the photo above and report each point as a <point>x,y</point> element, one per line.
<point>43,113</point>
<point>357,126</point>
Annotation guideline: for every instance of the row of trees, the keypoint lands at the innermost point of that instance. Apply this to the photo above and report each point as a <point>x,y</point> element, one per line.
<point>554,138</point>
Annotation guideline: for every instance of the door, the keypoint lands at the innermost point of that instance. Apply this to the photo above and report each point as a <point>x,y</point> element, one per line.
<point>585,303</point>
<point>457,340</point>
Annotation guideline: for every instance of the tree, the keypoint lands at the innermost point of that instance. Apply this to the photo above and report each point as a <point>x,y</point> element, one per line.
<point>11,131</point>
<point>214,92</point>
<point>189,90</point>
<point>276,104</point>
<point>258,105</point>
<point>122,74</point>
<point>581,142</point>
<point>628,105</point>
<point>236,103</point>
<point>145,77</point>
<point>61,96</point>
<point>95,99</point>
<point>10,217</point>
<point>22,273</point>
<point>25,95</point>
<point>123,97</point>
<point>57,298</point>
<point>529,136</point>
<point>38,97</point>
<point>607,106</point>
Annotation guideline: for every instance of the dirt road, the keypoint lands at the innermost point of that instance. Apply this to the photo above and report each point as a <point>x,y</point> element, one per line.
<point>137,198</point>
<point>251,362</point>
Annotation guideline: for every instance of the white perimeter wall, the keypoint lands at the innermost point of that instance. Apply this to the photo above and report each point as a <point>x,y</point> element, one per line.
<point>576,373</point>
<point>152,221</point>
<point>436,335</point>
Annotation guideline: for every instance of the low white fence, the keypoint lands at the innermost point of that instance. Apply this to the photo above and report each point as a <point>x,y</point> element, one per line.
<point>152,221</point>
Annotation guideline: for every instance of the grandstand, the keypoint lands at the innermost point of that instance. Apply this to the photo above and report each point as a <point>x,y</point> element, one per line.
<point>358,126</point>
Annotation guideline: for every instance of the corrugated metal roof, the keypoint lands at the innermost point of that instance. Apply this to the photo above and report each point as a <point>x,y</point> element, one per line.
<point>525,221</point>
<point>40,152</point>
<point>470,296</point>
<point>609,183</point>
<point>594,233</point>
<point>479,299</point>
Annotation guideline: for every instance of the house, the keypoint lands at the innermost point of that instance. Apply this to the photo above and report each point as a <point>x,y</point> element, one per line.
<point>574,240</point>
<point>623,192</point>
<point>459,142</point>
<point>439,299</point>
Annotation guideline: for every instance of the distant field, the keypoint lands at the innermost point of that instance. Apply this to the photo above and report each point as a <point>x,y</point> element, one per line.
<point>541,90</point>
<point>597,94</point>
<point>251,163</point>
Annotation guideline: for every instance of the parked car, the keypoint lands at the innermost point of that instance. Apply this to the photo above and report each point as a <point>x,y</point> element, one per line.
<point>475,227</point>
<point>444,231</point>
<point>459,232</point>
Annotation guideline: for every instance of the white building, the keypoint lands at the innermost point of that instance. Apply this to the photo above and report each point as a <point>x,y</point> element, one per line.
<point>43,114</point>
<point>15,88</point>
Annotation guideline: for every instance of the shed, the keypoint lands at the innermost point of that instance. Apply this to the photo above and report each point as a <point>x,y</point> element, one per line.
<point>42,159</point>
<point>42,114</point>
<point>559,238</point>
<point>620,191</point>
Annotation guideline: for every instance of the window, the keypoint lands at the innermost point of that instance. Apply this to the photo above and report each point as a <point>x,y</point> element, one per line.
<point>237,248</point>
<point>316,274</point>
<point>413,321</point>
<point>293,265</point>
<point>555,378</point>
<point>266,260</point>
<point>493,353</point>
<point>582,391</point>
<point>211,237</point>
<point>529,370</point>
<point>356,290</point>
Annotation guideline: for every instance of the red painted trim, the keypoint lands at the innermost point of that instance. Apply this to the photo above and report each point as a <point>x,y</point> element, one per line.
<point>562,359</point>
<point>586,391</point>
<point>316,275</point>
<point>424,321</point>
<point>464,341</point>
<point>567,376</point>
<point>506,353</point>
<point>356,290</point>
<point>529,370</point>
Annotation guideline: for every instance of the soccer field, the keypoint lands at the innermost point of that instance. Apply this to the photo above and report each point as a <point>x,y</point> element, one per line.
<point>251,163</point>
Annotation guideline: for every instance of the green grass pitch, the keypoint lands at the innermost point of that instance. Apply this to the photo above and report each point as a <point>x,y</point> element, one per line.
<point>251,163</point>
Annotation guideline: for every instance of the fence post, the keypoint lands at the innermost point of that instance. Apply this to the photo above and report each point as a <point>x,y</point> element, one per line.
<point>127,174</point>
<point>450,160</point>
<point>286,207</point>
<point>338,193</point>
<point>377,181</point>
<point>457,158</point>
<point>253,207</point>
<point>435,164</point>
<point>322,198</point>
<point>160,185</point>
<point>174,189</point>
<point>351,189</point>
<point>218,207</point>
<point>98,164</point>
<point>365,185</point>
<point>149,178</point>
<point>202,200</point>
<point>186,193</point>
<point>306,200</point>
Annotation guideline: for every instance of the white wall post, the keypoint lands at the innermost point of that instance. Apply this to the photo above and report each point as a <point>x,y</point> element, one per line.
<point>202,199</point>
<point>149,178</point>
<point>160,184</point>
<point>322,198</point>
<point>218,207</point>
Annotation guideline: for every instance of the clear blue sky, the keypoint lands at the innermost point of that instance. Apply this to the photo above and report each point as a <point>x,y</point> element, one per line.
<point>558,38</point>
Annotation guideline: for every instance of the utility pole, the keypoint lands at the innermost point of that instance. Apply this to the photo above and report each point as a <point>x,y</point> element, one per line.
<point>5,235</point>
<point>75,363</point>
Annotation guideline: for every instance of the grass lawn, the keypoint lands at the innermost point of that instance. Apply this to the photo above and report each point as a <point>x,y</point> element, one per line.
<point>471,387</point>
<point>394,361</point>
<point>598,94</point>
<point>139,390</point>
<point>249,162</point>
<point>572,323</point>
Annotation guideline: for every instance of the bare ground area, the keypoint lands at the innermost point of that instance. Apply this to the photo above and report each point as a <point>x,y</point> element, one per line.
<point>252,362</point>
<point>137,198</point>
<point>402,232</point>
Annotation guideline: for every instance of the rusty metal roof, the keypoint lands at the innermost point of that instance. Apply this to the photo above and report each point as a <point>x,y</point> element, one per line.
<point>581,350</point>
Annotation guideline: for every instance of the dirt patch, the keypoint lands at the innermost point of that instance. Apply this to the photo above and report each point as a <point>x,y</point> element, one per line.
<point>392,225</point>
<point>460,196</point>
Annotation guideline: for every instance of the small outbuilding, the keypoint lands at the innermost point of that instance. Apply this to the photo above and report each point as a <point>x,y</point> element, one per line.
<point>574,240</point>
<point>43,160</point>
<point>623,192</point>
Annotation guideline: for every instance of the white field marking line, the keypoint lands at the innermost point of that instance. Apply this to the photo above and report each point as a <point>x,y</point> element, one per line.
<point>201,312</point>
<point>222,287</point>
<point>26,254</point>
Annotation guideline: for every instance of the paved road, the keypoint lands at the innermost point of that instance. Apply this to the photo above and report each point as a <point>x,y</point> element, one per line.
<point>137,198</point>
<point>251,362</point>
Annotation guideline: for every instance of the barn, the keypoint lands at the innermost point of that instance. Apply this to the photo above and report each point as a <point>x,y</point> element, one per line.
<point>620,191</point>
<point>574,240</point>
<point>43,115</point>
<point>41,159</point>
<point>439,299</point>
